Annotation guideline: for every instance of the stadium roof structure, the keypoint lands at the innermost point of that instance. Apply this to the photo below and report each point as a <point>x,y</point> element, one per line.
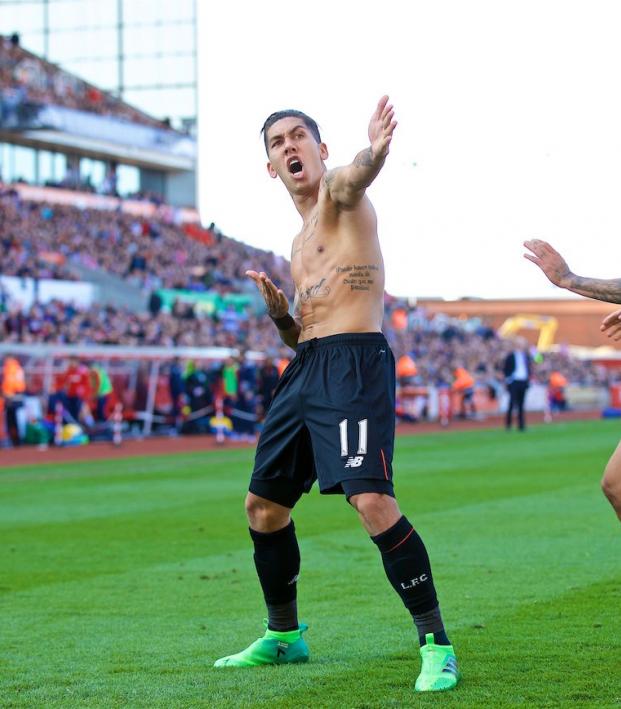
<point>44,106</point>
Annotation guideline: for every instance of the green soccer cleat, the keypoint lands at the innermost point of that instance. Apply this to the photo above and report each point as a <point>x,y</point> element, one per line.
<point>274,648</point>
<point>439,671</point>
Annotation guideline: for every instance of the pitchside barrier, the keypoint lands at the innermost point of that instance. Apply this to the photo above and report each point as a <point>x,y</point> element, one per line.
<point>442,404</point>
<point>139,377</point>
<point>139,383</point>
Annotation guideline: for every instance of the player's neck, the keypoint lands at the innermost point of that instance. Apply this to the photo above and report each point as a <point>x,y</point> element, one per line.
<point>305,204</point>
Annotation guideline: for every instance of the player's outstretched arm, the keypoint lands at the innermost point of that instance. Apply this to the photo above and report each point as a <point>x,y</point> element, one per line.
<point>346,185</point>
<point>556,269</point>
<point>277,308</point>
<point>611,324</point>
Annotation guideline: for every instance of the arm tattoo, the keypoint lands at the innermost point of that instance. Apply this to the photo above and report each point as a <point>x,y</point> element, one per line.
<point>607,290</point>
<point>311,227</point>
<point>305,235</point>
<point>364,159</point>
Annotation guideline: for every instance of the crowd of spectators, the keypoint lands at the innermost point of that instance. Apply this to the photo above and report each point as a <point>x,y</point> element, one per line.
<point>47,241</point>
<point>439,345</point>
<point>25,77</point>
<point>233,394</point>
<point>41,240</point>
<point>440,349</point>
<point>62,323</point>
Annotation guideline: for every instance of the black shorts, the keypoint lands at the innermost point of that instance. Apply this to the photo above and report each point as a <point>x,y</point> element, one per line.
<point>332,419</point>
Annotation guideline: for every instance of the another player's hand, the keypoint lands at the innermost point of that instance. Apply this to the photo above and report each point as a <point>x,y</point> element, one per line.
<point>612,324</point>
<point>381,128</point>
<point>549,261</point>
<point>275,299</point>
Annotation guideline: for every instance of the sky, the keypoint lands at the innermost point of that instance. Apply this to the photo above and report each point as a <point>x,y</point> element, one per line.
<point>509,129</point>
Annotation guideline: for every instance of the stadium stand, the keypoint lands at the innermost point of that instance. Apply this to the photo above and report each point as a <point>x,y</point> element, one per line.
<point>26,78</point>
<point>437,345</point>
<point>43,240</point>
<point>109,302</point>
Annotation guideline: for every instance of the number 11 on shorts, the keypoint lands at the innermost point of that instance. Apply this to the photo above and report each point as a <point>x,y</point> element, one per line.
<point>362,437</point>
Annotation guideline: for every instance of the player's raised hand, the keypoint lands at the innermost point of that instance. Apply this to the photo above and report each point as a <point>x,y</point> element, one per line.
<point>381,128</point>
<point>612,325</point>
<point>275,299</point>
<point>549,261</point>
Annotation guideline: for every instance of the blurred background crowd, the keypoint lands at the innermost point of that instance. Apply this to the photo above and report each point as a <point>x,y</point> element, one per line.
<point>88,264</point>
<point>158,256</point>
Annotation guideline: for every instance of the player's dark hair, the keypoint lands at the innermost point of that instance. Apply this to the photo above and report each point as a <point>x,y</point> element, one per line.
<point>290,113</point>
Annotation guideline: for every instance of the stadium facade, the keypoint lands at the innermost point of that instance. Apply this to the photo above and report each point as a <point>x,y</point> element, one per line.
<point>100,95</point>
<point>578,319</point>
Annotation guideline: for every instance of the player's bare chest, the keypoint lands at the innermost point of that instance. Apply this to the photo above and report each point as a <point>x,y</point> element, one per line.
<point>309,239</point>
<point>311,248</point>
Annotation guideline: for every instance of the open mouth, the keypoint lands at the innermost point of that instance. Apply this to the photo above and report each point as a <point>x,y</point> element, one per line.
<point>295,166</point>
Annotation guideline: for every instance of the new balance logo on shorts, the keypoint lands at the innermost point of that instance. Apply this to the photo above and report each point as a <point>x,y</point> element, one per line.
<point>354,461</point>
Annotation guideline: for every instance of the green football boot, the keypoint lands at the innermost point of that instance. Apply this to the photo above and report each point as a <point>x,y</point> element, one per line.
<point>439,671</point>
<point>274,648</point>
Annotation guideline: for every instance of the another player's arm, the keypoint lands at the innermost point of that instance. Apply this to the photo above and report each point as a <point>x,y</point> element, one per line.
<point>600,289</point>
<point>556,269</point>
<point>289,328</point>
<point>346,185</point>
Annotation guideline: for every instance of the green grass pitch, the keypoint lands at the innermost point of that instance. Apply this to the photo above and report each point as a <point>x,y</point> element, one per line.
<point>122,581</point>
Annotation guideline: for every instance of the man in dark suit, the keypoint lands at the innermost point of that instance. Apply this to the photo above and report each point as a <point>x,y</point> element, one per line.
<point>517,370</point>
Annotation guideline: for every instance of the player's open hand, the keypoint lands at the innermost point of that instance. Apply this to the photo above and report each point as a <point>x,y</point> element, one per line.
<point>275,299</point>
<point>381,128</point>
<point>612,325</point>
<point>549,261</point>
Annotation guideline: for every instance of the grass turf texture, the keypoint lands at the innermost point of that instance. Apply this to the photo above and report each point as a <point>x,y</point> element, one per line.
<point>122,581</point>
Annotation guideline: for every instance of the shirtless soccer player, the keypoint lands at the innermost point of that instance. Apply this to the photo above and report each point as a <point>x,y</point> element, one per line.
<point>333,413</point>
<point>609,290</point>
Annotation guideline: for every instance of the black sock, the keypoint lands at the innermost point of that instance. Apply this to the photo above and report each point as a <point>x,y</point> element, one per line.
<point>431,622</point>
<point>277,560</point>
<point>407,566</point>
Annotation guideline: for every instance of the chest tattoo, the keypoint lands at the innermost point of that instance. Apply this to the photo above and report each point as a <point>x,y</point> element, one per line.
<point>307,233</point>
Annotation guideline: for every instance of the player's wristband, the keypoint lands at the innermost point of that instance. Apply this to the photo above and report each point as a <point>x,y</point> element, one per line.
<point>284,323</point>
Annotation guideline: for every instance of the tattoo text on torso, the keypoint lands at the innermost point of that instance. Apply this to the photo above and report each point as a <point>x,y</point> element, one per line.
<point>358,277</point>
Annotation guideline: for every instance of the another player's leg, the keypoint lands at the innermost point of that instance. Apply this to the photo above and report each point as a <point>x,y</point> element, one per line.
<point>408,569</point>
<point>611,482</point>
<point>277,561</point>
